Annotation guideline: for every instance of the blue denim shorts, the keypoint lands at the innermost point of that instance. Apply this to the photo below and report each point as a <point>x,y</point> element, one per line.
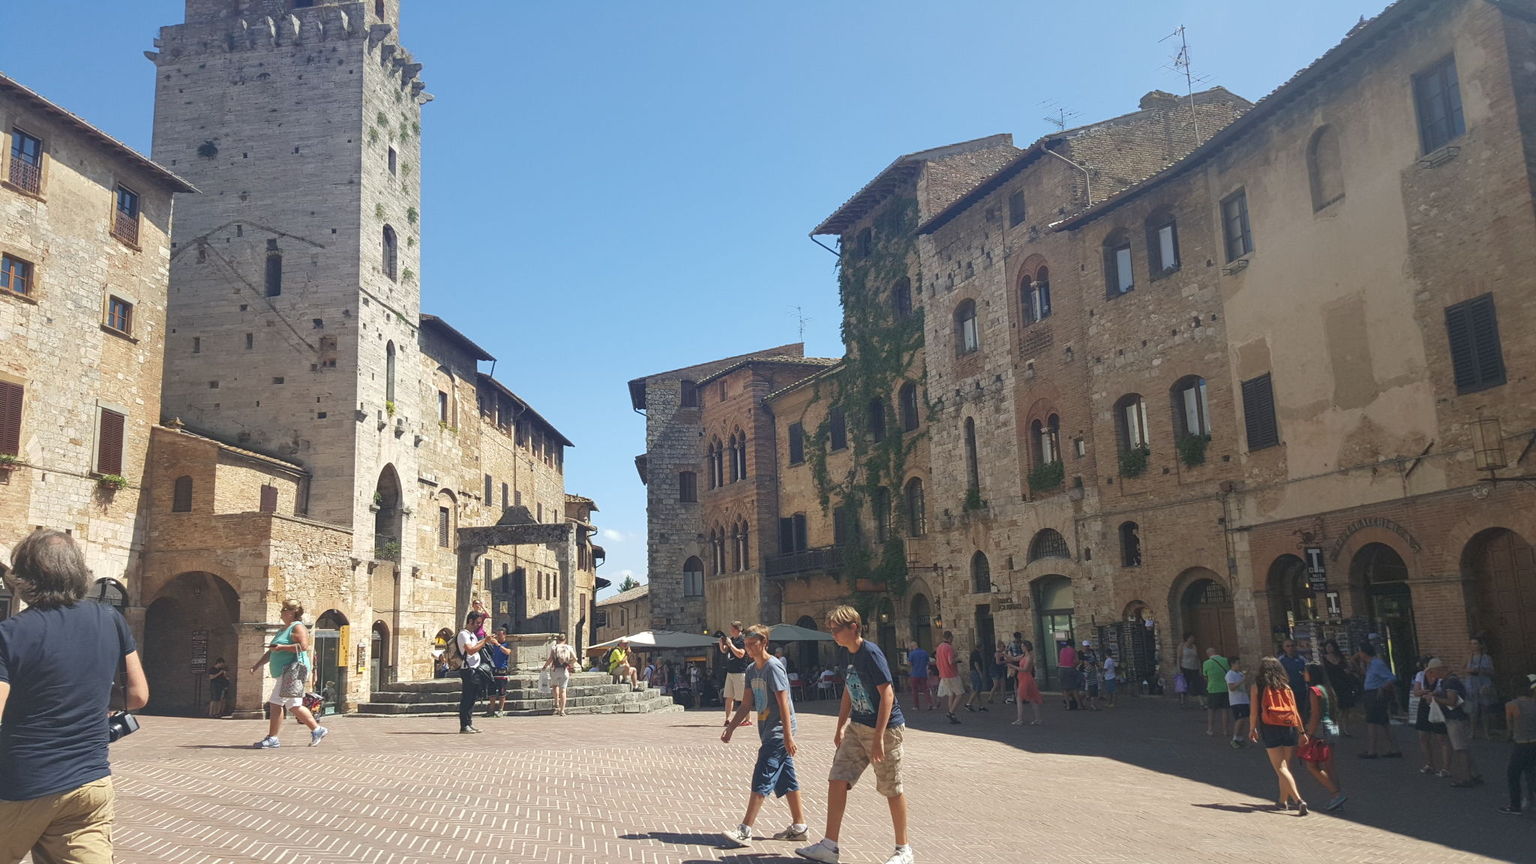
<point>775,770</point>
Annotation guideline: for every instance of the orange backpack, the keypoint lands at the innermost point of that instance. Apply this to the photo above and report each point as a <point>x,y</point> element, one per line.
<point>1279,708</point>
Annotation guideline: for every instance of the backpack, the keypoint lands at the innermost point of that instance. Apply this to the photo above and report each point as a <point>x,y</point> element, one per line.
<point>1279,707</point>
<point>452,656</point>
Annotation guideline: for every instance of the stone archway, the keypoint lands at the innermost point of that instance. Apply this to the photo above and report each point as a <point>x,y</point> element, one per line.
<point>388,515</point>
<point>1378,575</point>
<point>189,625</point>
<point>922,621</point>
<point>1202,605</point>
<point>1291,598</point>
<point>1502,567</point>
<point>379,670</point>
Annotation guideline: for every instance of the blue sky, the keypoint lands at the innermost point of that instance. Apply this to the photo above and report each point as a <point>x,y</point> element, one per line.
<point>612,189</point>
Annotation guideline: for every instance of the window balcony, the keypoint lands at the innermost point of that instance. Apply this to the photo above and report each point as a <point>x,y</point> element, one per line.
<point>125,227</point>
<point>822,559</point>
<point>26,176</point>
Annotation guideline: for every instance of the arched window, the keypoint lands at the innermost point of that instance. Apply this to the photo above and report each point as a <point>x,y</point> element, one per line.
<point>181,496</point>
<point>917,518</point>
<point>734,475</point>
<point>901,298</point>
<point>967,337</point>
<point>1131,423</point>
<point>1035,295</point>
<point>1048,543</point>
<point>1325,168</point>
<point>1118,275</point>
<point>972,468</point>
<point>981,574</point>
<point>389,372</point>
<point>876,421</point>
<point>739,456</point>
<point>716,467</point>
<point>1130,544</point>
<point>742,539</point>
<point>737,558</point>
<point>391,252</point>
<point>1191,411</point>
<point>1045,440</point>
<point>717,549</point>
<point>907,399</point>
<point>693,577</point>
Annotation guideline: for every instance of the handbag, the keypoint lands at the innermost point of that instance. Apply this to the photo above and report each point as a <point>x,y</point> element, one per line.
<point>295,676</point>
<point>1316,751</point>
<point>1436,713</point>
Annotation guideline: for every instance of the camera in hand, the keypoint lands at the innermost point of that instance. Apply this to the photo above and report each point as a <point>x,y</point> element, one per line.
<point>719,634</point>
<point>121,724</point>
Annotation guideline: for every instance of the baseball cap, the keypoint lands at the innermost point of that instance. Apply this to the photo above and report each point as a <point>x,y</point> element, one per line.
<point>1434,663</point>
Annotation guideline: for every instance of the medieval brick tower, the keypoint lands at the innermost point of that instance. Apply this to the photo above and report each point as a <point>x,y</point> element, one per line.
<point>294,289</point>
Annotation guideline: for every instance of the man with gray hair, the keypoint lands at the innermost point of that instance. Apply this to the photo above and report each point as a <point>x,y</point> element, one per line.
<point>58,659</point>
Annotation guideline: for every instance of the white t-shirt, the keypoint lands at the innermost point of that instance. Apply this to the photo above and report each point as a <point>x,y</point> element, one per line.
<point>1109,668</point>
<point>466,639</point>
<point>1240,695</point>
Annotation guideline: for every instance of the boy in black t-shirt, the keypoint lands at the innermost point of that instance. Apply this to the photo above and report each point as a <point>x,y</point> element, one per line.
<point>869,731</point>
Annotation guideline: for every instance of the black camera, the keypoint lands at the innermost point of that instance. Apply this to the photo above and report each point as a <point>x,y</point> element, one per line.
<point>719,634</point>
<point>121,724</point>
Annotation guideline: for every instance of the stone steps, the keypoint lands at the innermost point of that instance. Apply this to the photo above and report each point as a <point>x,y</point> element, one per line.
<point>589,693</point>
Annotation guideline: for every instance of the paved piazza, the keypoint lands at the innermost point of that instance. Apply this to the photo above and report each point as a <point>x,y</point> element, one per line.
<point>659,788</point>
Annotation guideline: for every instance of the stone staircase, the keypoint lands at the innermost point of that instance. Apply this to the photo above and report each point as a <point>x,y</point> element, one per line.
<point>589,693</point>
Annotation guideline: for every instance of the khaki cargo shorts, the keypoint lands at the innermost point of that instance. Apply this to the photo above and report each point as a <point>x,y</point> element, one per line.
<point>74,826</point>
<point>853,757</point>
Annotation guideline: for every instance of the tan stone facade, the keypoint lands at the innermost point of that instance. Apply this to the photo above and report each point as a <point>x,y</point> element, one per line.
<point>82,328</point>
<point>622,614</point>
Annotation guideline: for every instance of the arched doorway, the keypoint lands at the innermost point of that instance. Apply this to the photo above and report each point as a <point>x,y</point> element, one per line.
<point>922,622</point>
<point>1138,646</point>
<point>1503,570</point>
<point>387,515</point>
<point>330,635</point>
<point>379,670</point>
<point>810,652</point>
<point>1205,609</point>
<point>189,626</point>
<point>1378,573</point>
<point>1291,599</point>
<point>1054,606</point>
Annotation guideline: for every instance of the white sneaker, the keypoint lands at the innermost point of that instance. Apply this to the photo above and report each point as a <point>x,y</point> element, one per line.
<point>267,743</point>
<point>818,851</point>
<point>903,855</point>
<point>738,837</point>
<point>317,734</point>
<point>791,833</point>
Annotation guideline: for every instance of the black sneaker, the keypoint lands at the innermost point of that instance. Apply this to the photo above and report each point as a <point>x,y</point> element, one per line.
<point>970,709</point>
<point>954,719</point>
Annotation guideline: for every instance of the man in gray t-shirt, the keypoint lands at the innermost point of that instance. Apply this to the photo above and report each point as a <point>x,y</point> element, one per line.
<point>767,692</point>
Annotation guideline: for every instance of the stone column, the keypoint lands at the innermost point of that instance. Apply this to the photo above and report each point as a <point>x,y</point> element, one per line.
<point>251,688</point>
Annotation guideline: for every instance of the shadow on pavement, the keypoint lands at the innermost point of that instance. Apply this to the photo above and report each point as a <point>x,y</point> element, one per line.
<point>678,839</point>
<point>1154,735</point>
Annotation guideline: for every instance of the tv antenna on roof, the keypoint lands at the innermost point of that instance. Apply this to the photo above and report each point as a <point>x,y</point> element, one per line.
<point>1181,65</point>
<point>1059,114</point>
<point>801,320</point>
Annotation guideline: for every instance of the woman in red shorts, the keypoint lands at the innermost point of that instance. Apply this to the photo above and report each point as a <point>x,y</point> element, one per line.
<point>1029,691</point>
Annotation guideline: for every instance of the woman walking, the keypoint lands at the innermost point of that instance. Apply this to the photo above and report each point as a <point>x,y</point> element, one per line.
<point>470,643</point>
<point>1278,725</point>
<point>288,661</point>
<point>1482,698</point>
<point>1322,728</point>
<point>561,659</point>
<point>1029,691</point>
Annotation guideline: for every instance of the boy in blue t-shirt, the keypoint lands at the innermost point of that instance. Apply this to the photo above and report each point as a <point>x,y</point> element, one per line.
<point>766,689</point>
<point>869,727</point>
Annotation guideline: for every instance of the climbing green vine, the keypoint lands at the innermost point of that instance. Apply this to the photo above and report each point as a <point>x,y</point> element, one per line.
<point>882,349</point>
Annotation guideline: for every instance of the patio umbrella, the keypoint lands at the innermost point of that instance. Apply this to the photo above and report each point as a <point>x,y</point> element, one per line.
<point>659,639</point>
<point>794,633</point>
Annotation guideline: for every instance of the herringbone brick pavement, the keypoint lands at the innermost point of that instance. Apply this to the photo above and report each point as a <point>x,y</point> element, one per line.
<point>1138,784</point>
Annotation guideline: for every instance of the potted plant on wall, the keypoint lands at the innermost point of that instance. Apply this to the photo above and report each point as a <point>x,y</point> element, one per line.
<point>111,482</point>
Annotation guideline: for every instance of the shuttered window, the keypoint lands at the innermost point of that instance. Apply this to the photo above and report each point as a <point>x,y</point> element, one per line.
<point>796,443</point>
<point>269,499</point>
<point>442,527</point>
<point>109,443</point>
<point>1259,413</point>
<point>1437,96</point>
<point>10,418</point>
<point>1476,355</point>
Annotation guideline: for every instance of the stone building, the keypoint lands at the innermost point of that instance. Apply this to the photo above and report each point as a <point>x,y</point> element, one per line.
<point>676,461</point>
<point>622,614</point>
<point>1367,230</point>
<point>84,263</point>
<point>404,479</point>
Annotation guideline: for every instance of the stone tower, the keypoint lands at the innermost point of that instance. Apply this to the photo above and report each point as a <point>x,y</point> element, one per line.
<point>295,298</point>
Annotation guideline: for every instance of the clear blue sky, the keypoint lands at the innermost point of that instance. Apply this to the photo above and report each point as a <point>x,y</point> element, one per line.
<point>626,187</point>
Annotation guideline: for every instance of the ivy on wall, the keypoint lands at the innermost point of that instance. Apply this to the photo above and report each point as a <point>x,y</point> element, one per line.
<point>881,349</point>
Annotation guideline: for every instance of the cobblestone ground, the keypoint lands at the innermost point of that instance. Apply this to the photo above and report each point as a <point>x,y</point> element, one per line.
<point>1136,784</point>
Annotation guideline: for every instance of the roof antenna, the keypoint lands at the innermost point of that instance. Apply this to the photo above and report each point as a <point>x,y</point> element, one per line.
<point>801,320</point>
<point>1181,65</point>
<point>1059,114</point>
